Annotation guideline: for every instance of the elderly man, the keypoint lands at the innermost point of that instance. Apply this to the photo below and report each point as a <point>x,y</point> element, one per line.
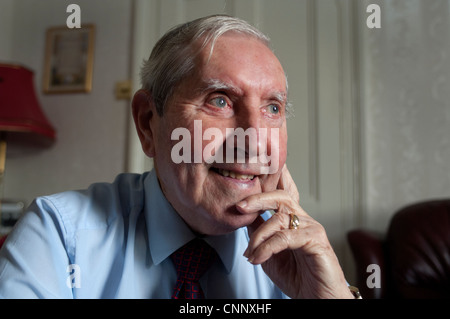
<point>192,227</point>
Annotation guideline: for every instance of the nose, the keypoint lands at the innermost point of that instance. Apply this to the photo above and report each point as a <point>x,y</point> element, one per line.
<point>251,138</point>
<point>250,122</point>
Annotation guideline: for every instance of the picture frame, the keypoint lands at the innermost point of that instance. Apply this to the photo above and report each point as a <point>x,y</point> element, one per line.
<point>69,59</point>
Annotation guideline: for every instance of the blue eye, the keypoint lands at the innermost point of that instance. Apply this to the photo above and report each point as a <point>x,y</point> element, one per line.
<point>219,101</point>
<point>274,109</point>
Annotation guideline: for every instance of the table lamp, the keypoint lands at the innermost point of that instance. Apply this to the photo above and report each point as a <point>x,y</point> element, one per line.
<point>20,113</point>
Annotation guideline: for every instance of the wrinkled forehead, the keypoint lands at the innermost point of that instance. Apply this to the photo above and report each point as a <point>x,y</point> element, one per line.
<point>235,55</point>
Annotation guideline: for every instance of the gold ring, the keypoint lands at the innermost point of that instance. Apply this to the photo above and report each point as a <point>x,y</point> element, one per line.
<point>294,221</point>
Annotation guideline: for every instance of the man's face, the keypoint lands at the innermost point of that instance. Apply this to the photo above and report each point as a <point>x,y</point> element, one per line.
<point>242,85</point>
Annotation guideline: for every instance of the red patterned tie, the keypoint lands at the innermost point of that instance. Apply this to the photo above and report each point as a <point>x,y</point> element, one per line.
<point>191,261</point>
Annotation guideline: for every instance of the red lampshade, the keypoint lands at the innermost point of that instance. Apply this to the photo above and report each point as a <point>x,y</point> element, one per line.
<point>19,107</point>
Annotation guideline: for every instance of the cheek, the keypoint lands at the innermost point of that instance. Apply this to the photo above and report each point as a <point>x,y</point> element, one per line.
<point>283,145</point>
<point>181,183</point>
<point>283,151</point>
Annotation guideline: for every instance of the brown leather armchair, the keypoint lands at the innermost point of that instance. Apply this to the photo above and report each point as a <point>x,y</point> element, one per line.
<point>414,255</point>
<point>2,240</point>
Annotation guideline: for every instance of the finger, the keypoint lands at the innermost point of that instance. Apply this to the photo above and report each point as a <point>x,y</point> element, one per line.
<point>308,238</point>
<point>276,200</point>
<point>263,232</point>
<point>287,183</point>
<point>251,230</point>
<point>277,223</point>
<point>278,242</point>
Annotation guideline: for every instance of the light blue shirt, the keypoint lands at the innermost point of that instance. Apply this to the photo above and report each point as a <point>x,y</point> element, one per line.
<point>115,241</point>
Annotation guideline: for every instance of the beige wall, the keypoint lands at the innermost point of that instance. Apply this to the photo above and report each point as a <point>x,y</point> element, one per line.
<point>91,128</point>
<point>405,72</point>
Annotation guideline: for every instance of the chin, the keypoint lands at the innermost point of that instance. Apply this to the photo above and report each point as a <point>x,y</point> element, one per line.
<point>227,222</point>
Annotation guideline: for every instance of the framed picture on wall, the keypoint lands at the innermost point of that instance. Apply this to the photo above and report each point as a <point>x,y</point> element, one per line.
<point>69,59</point>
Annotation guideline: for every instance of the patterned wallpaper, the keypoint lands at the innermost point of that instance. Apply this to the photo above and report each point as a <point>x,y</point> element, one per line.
<point>405,68</point>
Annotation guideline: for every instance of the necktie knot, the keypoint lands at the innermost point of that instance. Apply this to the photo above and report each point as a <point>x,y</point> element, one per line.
<point>191,262</point>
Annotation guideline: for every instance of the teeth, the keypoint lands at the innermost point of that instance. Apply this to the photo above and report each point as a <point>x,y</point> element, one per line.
<point>234,175</point>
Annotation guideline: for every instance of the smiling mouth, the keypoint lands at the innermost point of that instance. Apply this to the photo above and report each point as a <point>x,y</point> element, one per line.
<point>232,174</point>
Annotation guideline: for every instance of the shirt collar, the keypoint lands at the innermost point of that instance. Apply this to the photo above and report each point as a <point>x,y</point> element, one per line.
<point>167,231</point>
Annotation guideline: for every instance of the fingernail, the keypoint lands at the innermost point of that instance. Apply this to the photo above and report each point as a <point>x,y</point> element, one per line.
<point>242,204</point>
<point>246,253</point>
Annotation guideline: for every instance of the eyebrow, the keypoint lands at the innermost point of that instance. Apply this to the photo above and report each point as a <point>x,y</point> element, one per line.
<point>280,97</point>
<point>219,85</point>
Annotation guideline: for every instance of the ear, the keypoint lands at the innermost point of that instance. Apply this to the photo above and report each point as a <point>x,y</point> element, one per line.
<point>144,111</point>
